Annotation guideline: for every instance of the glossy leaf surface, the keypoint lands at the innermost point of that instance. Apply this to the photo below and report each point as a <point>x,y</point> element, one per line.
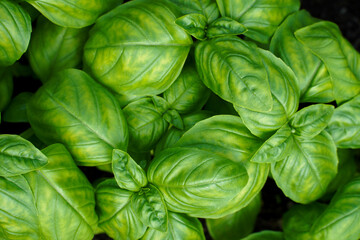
<point>19,156</point>
<point>224,27</point>
<point>324,39</point>
<point>73,13</point>
<point>15,31</point>
<point>265,235</point>
<point>116,216</point>
<point>75,110</point>
<point>142,27</point>
<point>305,174</point>
<point>233,69</point>
<point>260,17</point>
<point>194,24</point>
<point>344,126</point>
<point>16,111</point>
<point>128,174</point>
<point>149,206</point>
<point>180,226</point>
<point>54,48</point>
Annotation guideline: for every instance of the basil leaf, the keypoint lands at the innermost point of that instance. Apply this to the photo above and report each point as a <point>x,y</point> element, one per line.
<point>19,156</point>
<point>75,110</point>
<point>223,27</point>
<point>265,235</point>
<point>15,31</point>
<point>53,48</point>
<point>128,174</point>
<point>310,121</point>
<point>149,206</point>
<point>344,125</point>
<point>116,216</point>
<point>260,17</point>
<point>70,13</point>
<point>305,174</point>
<point>233,69</point>
<point>180,226</point>
<point>312,76</point>
<point>111,54</point>
<point>236,225</point>
<point>6,87</point>
<point>16,111</point>
<point>324,39</point>
<point>194,24</point>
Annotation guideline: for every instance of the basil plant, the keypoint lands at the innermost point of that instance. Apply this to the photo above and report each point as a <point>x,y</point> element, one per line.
<point>174,119</point>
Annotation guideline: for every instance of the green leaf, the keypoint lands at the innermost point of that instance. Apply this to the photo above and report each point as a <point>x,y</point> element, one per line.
<point>180,226</point>
<point>194,24</point>
<point>16,111</point>
<point>146,123</point>
<point>305,174</point>
<point>53,48</point>
<point>116,216</point>
<point>312,76</point>
<point>141,27</point>
<point>15,31</point>
<point>341,218</point>
<point>276,148</point>
<point>29,135</point>
<point>299,220</point>
<point>236,225</point>
<point>187,94</point>
<point>74,110</point>
<point>174,118</point>
<point>6,87</point>
<point>150,208</point>
<point>233,69</point>
<point>310,121</point>
<point>223,27</point>
<point>217,149</point>
<point>63,196</point>
<point>285,95</point>
<point>19,156</point>
<point>128,174</point>
<point>260,17</point>
<point>344,126</point>
<point>70,13</point>
<point>324,39</point>
<point>265,235</point>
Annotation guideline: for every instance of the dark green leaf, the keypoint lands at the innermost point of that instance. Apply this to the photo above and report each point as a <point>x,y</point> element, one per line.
<point>16,111</point>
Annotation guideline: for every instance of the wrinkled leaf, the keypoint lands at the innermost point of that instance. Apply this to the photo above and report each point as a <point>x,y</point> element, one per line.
<point>19,156</point>
<point>194,24</point>
<point>128,174</point>
<point>116,216</point>
<point>74,110</point>
<point>223,27</point>
<point>344,126</point>
<point>16,111</point>
<point>15,31</point>
<point>54,48</point>
<point>150,208</point>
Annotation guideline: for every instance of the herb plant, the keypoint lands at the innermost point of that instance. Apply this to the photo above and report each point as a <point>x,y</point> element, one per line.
<point>157,118</point>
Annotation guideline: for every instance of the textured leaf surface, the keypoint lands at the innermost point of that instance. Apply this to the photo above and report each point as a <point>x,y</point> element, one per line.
<point>75,110</point>
<point>312,76</point>
<point>128,174</point>
<point>285,94</point>
<point>276,148</point>
<point>305,174</point>
<point>344,126</point>
<point>145,122</point>
<point>194,24</point>
<point>324,39</point>
<point>54,48</point>
<point>236,225</point>
<point>73,13</point>
<point>149,206</point>
<point>341,218</point>
<point>310,121</point>
<point>16,111</point>
<point>224,27</point>
<point>187,94</point>
<point>116,216</point>
<point>180,226</point>
<point>233,69</point>
<point>145,28</point>
<point>19,156</point>
<point>260,17</point>
<point>229,181</point>
<point>15,31</point>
